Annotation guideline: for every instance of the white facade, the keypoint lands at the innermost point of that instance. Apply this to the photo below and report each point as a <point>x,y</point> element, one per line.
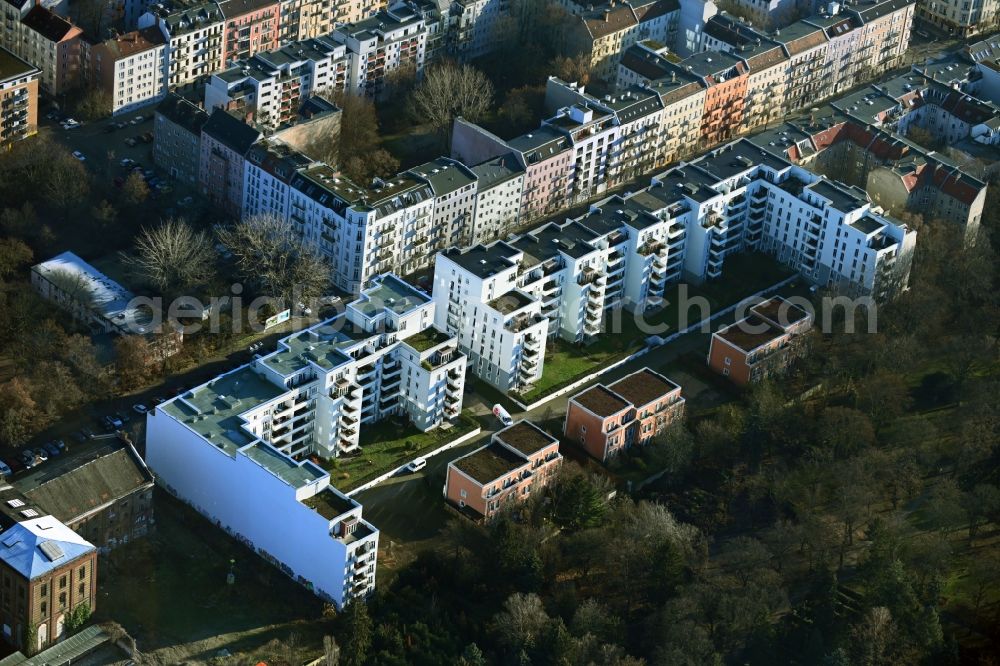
<point>138,79</point>
<point>193,32</point>
<point>393,38</point>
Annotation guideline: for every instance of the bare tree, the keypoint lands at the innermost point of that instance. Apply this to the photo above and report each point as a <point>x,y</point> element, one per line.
<point>172,256</point>
<point>273,258</point>
<point>449,91</point>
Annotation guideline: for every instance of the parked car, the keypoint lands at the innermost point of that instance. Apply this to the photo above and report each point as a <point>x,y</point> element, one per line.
<point>41,455</point>
<point>130,141</point>
<point>80,156</point>
<point>147,137</point>
<point>123,416</point>
<point>416,465</point>
<point>51,449</point>
<point>127,162</point>
<point>135,121</point>
<point>28,458</point>
<point>140,408</point>
<point>503,415</point>
<point>305,309</point>
<point>159,400</point>
<point>87,432</point>
<point>5,469</point>
<point>16,465</point>
<point>112,422</point>
<point>81,436</point>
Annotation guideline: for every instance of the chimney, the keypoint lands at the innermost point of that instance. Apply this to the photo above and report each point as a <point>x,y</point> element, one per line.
<point>607,15</point>
<point>673,77</point>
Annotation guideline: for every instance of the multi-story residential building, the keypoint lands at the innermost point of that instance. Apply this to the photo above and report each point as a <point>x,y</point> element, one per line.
<point>347,12</point>
<point>602,33</point>
<point>233,448</point>
<point>272,86</point>
<point>107,498</point>
<point>304,19</point>
<point>48,572</point>
<point>132,69</point>
<point>18,98</point>
<point>177,138</point>
<point>498,326</point>
<point>101,304</point>
<point>454,188</point>
<point>194,34</point>
<point>762,344</point>
<point>500,181</point>
<point>270,166</point>
<point>520,460</point>
<point>250,26</point>
<point>475,27</point>
<point>393,39</point>
<point>885,33</point>
<point>614,139</point>
<point>958,18</point>
<point>225,141</point>
<point>49,42</point>
<point>607,420</point>
<point>545,155</point>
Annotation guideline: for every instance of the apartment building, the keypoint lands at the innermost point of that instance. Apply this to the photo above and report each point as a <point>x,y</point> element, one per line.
<point>346,12</point>
<point>132,69</point>
<point>250,26</point>
<point>520,460</point>
<point>497,325</point>
<point>762,344</point>
<point>960,19</point>
<point>18,98</point>
<point>225,141</point>
<point>300,20</point>
<point>107,498</point>
<point>392,39</point>
<point>252,428</point>
<point>476,27</point>
<point>545,155</point>
<point>499,183</point>
<point>268,171</point>
<point>272,86</point>
<point>49,42</point>
<point>194,34</point>
<point>602,33</point>
<point>48,572</point>
<point>607,420</point>
<point>177,138</point>
<point>453,186</point>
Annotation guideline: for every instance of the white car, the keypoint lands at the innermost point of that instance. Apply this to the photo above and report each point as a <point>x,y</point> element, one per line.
<point>305,309</point>
<point>126,162</point>
<point>416,465</point>
<point>140,408</point>
<point>69,123</point>
<point>503,415</point>
<point>80,156</point>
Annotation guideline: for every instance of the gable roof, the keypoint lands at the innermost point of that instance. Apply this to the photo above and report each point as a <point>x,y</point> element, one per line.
<point>49,25</point>
<point>35,547</point>
<point>92,485</point>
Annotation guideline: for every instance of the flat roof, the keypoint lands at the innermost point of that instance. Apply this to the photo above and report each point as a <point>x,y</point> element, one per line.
<point>12,67</point>
<point>750,332</point>
<point>330,504</point>
<point>484,261</point>
<point>295,474</point>
<point>510,302</point>
<point>489,463</point>
<point>213,409</point>
<point>601,401</point>
<point>780,311</point>
<point>427,339</point>
<point>391,294</point>
<point>643,387</point>
<point>526,437</point>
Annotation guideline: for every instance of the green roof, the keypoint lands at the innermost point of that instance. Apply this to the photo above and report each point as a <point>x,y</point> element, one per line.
<point>427,339</point>
<point>489,463</point>
<point>329,503</point>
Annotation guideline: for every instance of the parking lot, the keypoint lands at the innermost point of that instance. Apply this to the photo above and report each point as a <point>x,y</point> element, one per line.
<point>111,149</point>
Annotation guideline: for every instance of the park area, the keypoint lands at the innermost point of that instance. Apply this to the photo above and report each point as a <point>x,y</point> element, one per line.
<point>388,444</point>
<point>625,333</point>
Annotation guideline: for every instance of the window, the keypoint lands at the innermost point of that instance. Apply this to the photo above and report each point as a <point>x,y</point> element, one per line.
<point>62,583</point>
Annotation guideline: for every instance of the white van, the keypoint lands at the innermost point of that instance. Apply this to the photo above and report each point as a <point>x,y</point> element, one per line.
<point>503,415</point>
<point>416,465</point>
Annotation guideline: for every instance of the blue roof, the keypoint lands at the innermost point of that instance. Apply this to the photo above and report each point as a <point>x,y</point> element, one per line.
<point>35,547</point>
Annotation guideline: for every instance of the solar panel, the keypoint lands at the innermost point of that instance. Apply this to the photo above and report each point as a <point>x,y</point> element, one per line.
<point>29,513</point>
<point>15,503</point>
<point>52,550</point>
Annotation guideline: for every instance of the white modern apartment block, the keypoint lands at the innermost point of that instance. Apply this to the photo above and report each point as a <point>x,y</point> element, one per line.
<point>273,84</point>
<point>193,30</point>
<point>499,326</point>
<point>742,197</point>
<point>235,447</point>
<point>392,39</point>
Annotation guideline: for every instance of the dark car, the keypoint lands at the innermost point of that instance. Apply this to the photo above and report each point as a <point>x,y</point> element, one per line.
<point>52,449</point>
<point>81,436</point>
<point>15,464</point>
<point>28,458</point>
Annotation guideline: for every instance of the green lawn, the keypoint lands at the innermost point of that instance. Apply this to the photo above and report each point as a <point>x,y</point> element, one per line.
<point>388,444</point>
<point>625,333</point>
